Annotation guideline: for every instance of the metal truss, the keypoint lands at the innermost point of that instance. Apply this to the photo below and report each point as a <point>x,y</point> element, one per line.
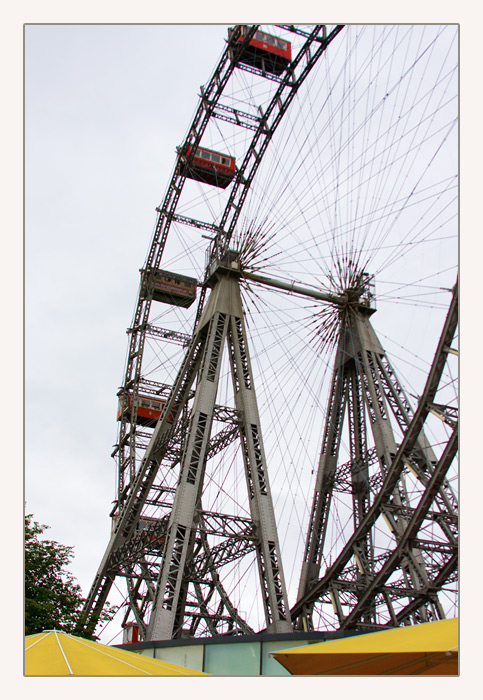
<point>401,586</point>
<point>218,326</point>
<point>210,108</point>
<point>170,558</point>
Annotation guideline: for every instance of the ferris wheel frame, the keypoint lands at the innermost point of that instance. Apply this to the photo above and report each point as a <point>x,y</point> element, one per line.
<point>128,510</point>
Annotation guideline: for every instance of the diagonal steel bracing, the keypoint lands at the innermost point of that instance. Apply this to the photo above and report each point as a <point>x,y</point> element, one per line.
<point>220,324</point>
<point>176,545</point>
<point>366,393</point>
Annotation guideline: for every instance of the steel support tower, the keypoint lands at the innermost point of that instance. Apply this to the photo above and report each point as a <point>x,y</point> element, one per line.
<point>179,542</point>
<point>372,585</point>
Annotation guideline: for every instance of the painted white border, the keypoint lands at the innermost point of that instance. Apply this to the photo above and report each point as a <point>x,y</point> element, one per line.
<point>468,15</point>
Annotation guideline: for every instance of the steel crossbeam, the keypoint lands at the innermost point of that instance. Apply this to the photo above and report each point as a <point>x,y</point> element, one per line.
<point>237,116</point>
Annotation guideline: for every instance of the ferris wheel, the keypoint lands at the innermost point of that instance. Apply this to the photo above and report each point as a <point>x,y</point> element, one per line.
<point>288,412</point>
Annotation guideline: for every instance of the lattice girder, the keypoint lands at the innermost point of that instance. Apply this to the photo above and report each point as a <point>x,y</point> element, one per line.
<point>366,390</point>
<point>221,323</point>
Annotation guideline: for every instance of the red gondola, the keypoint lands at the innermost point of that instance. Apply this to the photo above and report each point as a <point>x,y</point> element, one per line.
<point>265,51</point>
<point>149,409</point>
<point>207,166</point>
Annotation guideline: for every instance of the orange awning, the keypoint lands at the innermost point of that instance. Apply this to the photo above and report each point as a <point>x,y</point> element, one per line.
<point>430,648</point>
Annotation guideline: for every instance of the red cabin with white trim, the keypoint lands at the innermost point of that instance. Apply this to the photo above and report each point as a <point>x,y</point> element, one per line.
<point>207,166</point>
<point>148,409</point>
<point>265,51</point>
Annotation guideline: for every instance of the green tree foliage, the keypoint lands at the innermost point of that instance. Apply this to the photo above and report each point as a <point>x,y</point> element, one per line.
<point>53,599</point>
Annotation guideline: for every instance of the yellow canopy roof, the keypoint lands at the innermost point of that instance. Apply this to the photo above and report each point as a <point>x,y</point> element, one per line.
<point>53,653</point>
<point>430,648</point>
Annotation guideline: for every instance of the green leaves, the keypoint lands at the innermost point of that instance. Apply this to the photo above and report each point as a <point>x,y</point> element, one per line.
<point>53,599</point>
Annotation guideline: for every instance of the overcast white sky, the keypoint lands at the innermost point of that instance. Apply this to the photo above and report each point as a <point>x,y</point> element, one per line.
<point>105,108</point>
